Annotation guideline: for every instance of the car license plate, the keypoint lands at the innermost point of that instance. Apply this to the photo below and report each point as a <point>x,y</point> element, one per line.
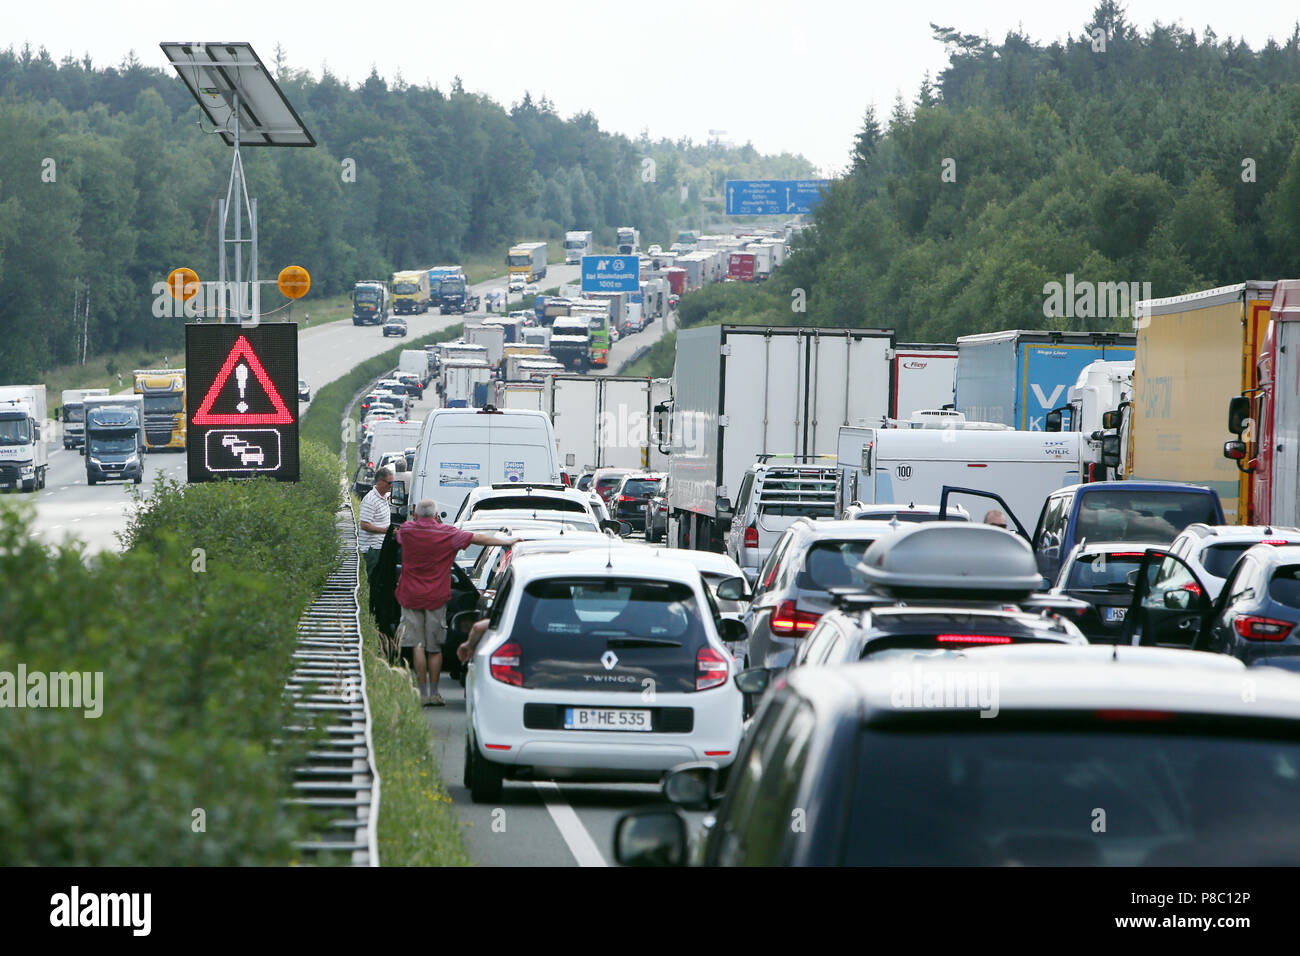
<point>1114,615</point>
<point>605,718</point>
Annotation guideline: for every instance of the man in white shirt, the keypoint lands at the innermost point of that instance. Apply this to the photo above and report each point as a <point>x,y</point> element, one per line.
<point>376,516</point>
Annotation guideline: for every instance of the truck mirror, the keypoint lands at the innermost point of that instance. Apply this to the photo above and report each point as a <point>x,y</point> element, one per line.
<point>1238,412</point>
<point>1110,420</point>
<point>1053,421</point>
<point>1235,450</point>
<point>1110,457</point>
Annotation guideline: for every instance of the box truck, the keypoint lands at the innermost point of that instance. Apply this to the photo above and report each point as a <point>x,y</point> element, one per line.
<point>741,266</point>
<point>369,302</point>
<point>601,421</point>
<point>745,391</point>
<point>528,259</point>
<point>416,362</point>
<point>73,414</point>
<point>530,395</point>
<point>24,438</point>
<point>925,378</point>
<point>628,241</point>
<point>1017,377</point>
<point>912,465</point>
<point>459,378</point>
<point>411,292</point>
<point>492,337</point>
<point>578,244</point>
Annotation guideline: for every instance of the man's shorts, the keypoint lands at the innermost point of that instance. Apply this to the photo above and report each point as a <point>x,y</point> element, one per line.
<point>424,627</point>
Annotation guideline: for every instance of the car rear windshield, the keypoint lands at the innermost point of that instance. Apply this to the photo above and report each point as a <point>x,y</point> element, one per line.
<point>517,502</point>
<point>1106,572</point>
<point>1218,559</point>
<point>608,634</point>
<point>916,517</point>
<point>832,564</point>
<point>641,488</point>
<point>938,797</point>
<point>1142,515</point>
<point>1285,585</point>
<point>608,484</point>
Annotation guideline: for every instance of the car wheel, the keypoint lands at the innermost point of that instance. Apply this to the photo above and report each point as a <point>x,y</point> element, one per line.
<point>90,480</point>
<point>465,770</point>
<point>485,778</point>
<point>139,478</point>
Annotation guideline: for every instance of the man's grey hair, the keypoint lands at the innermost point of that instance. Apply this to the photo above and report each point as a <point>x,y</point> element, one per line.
<point>428,508</point>
<point>384,474</point>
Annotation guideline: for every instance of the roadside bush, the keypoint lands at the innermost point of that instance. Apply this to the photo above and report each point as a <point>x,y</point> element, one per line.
<point>193,647</point>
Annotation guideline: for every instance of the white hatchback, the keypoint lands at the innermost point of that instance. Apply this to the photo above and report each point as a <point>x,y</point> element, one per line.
<point>603,664</point>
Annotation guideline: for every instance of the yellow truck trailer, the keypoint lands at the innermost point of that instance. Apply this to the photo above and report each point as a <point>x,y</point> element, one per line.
<point>1194,353</point>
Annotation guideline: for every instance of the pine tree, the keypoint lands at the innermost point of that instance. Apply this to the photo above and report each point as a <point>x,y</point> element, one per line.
<point>864,144</point>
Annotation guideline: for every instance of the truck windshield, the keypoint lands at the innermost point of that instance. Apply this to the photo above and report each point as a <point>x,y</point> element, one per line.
<point>366,295</point>
<point>576,244</point>
<point>451,286</point>
<point>406,288</point>
<point>521,260</point>
<point>116,442</point>
<point>1155,516</point>
<point>596,324</point>
<point>15,431</point>
<point>74,413</point>
<point>173,402</point>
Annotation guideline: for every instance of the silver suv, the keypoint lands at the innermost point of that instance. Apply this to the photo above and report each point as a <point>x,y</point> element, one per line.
<point>1211,550</point>
<point>775,492</point>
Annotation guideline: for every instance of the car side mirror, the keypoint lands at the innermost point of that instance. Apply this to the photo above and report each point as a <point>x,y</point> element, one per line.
<point>1235,450</point>
<point>1178,600</point>
<point>1110,455</point>
<point>1238,412</point>
<point>1110,420</point>
<point>397,497</point>
<point>650,838</point>
<point>754,681</point>
<point>609,524</point>
<point>693,786</point>
<point>733,631</point>
<point>732,589</point>
<point>464,621</point>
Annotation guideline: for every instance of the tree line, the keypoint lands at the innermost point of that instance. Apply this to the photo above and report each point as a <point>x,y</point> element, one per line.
<point>108,181</point>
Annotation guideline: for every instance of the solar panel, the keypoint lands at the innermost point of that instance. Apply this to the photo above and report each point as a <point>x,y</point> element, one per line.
<point>217,73</point>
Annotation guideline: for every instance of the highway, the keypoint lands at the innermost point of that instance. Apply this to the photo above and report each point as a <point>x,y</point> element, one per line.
<point>70,509</point>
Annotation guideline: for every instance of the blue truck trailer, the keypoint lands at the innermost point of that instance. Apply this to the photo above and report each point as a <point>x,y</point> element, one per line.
<point>1016,377</point>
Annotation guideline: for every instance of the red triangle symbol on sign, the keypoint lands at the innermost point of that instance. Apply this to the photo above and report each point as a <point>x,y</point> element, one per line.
<point>243,349</point>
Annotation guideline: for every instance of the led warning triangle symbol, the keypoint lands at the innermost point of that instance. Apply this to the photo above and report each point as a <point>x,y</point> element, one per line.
<point>242,349</point>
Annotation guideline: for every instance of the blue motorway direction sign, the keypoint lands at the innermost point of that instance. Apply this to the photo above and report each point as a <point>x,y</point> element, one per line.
<point>611,273</point>
<point>773,197</point>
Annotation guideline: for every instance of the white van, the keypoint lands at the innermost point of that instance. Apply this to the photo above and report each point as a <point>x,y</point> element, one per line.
<point>911,466</point>
<point>464,448</point>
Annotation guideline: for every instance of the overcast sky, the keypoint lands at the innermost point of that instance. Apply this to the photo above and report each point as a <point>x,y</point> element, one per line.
<point>786,76</point>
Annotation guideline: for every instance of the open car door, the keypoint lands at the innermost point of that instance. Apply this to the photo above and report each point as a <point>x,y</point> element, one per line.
<point>1169,606</point>
<point>990,495</point>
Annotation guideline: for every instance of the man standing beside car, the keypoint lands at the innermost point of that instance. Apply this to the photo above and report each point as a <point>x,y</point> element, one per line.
<point>429,548</point>
<point>376,516</point>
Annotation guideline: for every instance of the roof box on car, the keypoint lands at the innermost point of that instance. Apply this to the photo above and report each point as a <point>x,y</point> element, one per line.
<point>958,558</point>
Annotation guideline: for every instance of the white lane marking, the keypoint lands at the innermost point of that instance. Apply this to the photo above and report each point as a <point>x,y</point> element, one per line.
<point>576,837</point>
<point>55,527</point>
<point>76,519</point>
<point>33,534</point>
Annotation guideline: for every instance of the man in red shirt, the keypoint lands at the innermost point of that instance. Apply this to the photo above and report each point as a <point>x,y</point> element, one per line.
<point>429,548</point>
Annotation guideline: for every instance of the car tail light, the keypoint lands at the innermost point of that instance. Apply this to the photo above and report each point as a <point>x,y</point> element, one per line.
<point>627,497</point>
<point>1262,628</point>
<point>710,668</point>
<point>788,620</point>
<point>504,664</point>
<point>973,639</point>
<point>751,537</point>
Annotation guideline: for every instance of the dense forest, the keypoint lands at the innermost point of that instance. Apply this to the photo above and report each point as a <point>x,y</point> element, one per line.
<point>107,182</point>
<point>1158,157</point>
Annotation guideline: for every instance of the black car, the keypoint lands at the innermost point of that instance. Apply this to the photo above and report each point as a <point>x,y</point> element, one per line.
<point>1255,619</point>
<point>857,766</point>
<point>1102,575</point>
<point>628,501</point>
<point>304,393</point>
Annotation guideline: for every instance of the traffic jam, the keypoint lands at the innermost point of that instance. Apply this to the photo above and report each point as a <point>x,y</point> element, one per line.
<point>918,634</point>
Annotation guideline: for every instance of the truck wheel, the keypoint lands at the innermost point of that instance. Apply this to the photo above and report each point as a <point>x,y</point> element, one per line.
<point>90,480</point>
<point>139,478</point>
<point>42,480</point>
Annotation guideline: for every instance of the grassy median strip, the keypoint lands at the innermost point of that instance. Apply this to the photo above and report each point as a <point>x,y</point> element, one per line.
<point>180,646</point>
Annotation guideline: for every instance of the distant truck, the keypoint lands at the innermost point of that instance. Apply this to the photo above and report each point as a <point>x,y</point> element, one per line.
<point>491,336</point>
<point>1017,377</point>
<point>115,439</point>
<point>411,292</point>
<point>745,391</point>
<point>925,377</point>
<point>163,392</point>
<point>571,342</point>
<point>741,266</point>
<point>369,303</point>
<point>455,296</point>
<point>527,260</point>
<point>417,362</point>
<point>24,452</point>
<point>436,275</point>
<point>577,245</point>
<point>530,395</point>
<point>601,421</point>
<point>628,241</point>
<point>73,414</point>
<point>1195,353</point>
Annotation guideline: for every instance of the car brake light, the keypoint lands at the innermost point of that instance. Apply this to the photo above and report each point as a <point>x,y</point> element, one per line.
<point>973,639</point>
<point>504,664</point>
<point>711,668</point>
<point>1262,628</point>
<point>788,620</point>
<point>627,498</point>
<point>1133,715</point>
<point>751,537</point>
<point>1127,554</point>
<point>1276,542</point>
